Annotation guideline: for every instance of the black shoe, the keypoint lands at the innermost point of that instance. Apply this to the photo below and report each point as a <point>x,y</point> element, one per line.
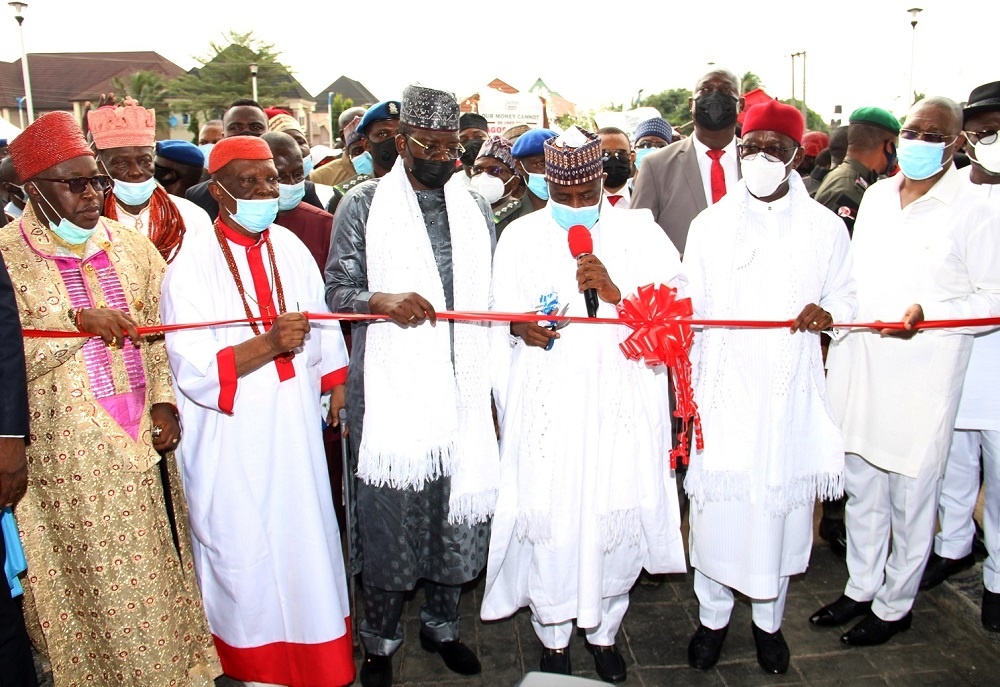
<point>873,630</point>
<point>376,671</point>
<point>979,541</point>
<point>991,611</point>
<point>555,661</point>
<point>608,661</point>
<point>705,647</point>
<point>834,531</point>
<point>458,657</point>
<point>940,569</point>
<point>839,612</point>
<point>772,651</point>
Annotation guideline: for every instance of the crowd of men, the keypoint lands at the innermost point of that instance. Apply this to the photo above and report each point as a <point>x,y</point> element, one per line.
<point>168,512</point>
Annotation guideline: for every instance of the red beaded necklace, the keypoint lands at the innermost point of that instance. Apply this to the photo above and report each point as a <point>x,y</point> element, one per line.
<point>231,262</point>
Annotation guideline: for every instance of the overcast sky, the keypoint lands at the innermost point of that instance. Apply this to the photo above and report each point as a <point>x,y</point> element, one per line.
<point>858,51</point>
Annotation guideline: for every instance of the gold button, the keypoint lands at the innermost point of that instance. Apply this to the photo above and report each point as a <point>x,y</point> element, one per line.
<point>138,305</point>
<point>89,268</point>
<point>105,244</point>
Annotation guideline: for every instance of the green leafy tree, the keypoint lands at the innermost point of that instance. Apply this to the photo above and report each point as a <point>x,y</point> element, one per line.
<point>150,90</point>
<point>672,105</point>
<point>340,103</point>
<point>583,121</point>
<point>749,82</point>
<point>225,76</point>
<point>814,122</point>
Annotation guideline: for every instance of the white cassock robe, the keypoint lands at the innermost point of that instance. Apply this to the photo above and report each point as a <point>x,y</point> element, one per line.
<point>587,497</point>
<point>265,537</point>
<point>771,444</point>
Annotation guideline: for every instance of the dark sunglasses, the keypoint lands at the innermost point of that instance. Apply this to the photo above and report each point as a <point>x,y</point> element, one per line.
<point>100,183</point>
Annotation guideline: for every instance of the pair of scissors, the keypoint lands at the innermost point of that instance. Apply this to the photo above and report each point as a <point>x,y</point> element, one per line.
<point>557,324</point>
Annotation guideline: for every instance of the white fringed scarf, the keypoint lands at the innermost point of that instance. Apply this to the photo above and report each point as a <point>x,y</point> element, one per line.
<point>424,417</point>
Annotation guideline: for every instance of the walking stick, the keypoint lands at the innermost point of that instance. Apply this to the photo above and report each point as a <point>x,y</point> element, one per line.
<point>348,528</point>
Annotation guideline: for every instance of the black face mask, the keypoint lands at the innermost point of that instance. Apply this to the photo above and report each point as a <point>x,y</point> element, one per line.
<point>472,149</point>
<point>618,172</point>
<point>384,154</point>
<point>165,176</point>
<point>890,160</point>
<point>715,110</point>
<point>432,173</point>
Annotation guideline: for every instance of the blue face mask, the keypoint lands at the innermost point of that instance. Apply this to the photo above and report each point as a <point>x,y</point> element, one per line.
<point>254,215</point>
<point>12,210</point>
<point>363,163</point>
<point>919,159</point>
<point>308,165</point>
<point>206,148</point>
<point>70,233</point>
<point>290,195</point>
<point>566,216</point>
<point>641,153</point>
<point>538,185</point>
<point>134,194</point>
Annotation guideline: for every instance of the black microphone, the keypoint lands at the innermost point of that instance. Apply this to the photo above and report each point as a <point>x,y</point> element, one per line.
<point>582,243</point>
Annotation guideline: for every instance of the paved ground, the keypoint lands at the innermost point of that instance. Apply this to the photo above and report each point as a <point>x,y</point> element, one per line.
<point>946,645</point>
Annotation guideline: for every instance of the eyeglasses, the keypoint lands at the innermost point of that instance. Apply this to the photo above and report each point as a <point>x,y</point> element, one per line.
<point>492,170</point>
<point>453,152</point>
<point>620,155</point>
<point>749,151</point>
<point>987,138</point>
<point>100,183</point>
<point>651,144</point>
<point>929,136</point>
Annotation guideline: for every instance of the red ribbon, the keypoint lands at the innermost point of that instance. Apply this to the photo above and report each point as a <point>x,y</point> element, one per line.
<point>661,335</point>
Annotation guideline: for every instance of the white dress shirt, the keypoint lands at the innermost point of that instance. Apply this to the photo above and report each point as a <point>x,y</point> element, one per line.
<point>728,162</point>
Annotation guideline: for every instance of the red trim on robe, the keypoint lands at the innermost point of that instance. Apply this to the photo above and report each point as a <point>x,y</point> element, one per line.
<point>226,361</point>
<point>332,379</point>
<point>262,288</point>
<point>287,663</point>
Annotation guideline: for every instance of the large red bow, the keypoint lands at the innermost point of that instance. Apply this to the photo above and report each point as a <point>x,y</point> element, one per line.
<point>661,336</point>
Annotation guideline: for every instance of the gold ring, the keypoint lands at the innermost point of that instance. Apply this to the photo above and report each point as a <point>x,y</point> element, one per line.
<point>156,431</point>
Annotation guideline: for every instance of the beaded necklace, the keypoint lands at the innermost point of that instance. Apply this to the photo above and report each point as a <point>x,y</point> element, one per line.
<point>231,262</point>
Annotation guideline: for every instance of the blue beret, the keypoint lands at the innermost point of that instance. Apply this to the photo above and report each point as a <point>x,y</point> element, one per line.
<point>532,142</point>
<point>3,142</point>
<point>656,126</point>
<point>379,112</point>
<point>183,152</point>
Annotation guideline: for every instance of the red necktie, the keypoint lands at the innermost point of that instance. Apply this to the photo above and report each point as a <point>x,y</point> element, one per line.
<point>718,176</point>
<point>614,200</point>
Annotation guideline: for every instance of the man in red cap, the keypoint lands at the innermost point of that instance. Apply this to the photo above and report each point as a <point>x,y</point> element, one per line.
<point>766,251</point>
<point>265,536</point>
<point>96,527</point>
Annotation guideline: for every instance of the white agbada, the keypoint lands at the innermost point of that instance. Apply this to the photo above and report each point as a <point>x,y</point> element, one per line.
<point>897,399</point>
<point>266,543</point>
<point>195,219</point>
<point>587,497</point>
<point>771,444</point>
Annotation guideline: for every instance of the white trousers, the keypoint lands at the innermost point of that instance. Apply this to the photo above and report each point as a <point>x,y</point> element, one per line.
<point>884,505</point>
<point>959,491</point>
<point>715,604</point>
<point>557,635</point>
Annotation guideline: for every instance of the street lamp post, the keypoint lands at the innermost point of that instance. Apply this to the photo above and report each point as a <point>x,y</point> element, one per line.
<point>913,12</point>
<point>253,79</point>
<point>329,113</point>
<point>803,56</point>
<point>19,16</point>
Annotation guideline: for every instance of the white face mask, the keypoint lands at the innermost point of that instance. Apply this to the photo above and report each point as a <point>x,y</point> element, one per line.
<point>762,176</point>
<point>489,187</point>
<point>988,157</point>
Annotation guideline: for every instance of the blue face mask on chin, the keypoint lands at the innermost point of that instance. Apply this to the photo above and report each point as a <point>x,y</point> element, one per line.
<point>538,185</point>
<point>566,216</point>
<point>134,194</point>
<point>253,215</point>
<point>641,153</point>
<point>290,195</point>
<point>363,163</point>
<point>71,233</point>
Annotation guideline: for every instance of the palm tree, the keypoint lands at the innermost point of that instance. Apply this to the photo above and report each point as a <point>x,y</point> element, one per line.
<point>149,90</point>
<point>749,82</point>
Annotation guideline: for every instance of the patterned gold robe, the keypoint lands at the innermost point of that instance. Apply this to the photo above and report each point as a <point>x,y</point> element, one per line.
<point>108,596</point>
